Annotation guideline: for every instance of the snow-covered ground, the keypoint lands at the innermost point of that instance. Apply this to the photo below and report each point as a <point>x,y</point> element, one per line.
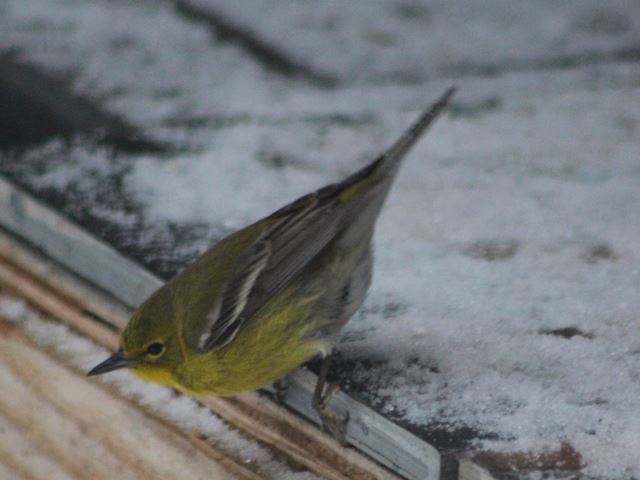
<point>514,221</point>
<point>412,40</point>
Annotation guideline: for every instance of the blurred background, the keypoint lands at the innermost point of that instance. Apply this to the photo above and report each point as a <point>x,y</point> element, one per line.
<point>508,264</point>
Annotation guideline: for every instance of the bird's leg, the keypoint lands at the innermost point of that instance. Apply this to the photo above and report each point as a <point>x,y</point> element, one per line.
<point>332,423</point>
<point>281,387</point>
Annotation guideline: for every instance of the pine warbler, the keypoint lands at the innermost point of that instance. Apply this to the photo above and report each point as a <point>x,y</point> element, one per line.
<point>271,296</point>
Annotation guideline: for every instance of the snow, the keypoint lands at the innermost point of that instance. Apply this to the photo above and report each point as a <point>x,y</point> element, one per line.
<point>400,40</point>
<point>561,206</point>
<point>179,409</point>
<point>516,216</point>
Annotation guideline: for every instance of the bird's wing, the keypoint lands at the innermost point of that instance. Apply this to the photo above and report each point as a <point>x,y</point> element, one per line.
<point>296,234</point>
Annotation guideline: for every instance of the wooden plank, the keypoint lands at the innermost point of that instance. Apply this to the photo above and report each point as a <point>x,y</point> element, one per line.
<point>58,307</point>
<point>19,452</point>
<point>95,261</point>
<point>562,458</point>
<point>468,470</point>
<point>8,473</point>
<point>90,432</point>
<point>297,438</point>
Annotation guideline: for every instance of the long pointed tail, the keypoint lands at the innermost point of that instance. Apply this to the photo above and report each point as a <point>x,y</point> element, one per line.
<point>386,165</point>
<point>398,150</point>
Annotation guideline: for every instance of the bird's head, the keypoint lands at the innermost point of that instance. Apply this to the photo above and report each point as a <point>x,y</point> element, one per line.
<point>150,343</point>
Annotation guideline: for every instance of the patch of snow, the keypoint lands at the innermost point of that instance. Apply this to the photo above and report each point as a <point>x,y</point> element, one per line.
<point>422,39</point>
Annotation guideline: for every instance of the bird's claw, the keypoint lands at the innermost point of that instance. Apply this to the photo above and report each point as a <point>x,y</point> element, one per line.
<point>280,386</point>
<point>333,423</point>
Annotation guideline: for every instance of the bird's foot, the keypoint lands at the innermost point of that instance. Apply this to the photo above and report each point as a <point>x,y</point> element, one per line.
<point>333,423</point>
<point>280,386</point>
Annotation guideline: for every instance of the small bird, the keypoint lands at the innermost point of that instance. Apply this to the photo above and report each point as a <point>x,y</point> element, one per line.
<point>270,296</point>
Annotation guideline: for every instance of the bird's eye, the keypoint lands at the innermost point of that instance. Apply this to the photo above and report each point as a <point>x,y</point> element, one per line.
<point>155,349</point>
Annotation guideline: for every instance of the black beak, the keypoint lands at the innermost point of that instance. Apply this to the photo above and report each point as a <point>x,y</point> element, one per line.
<point>114,362</point>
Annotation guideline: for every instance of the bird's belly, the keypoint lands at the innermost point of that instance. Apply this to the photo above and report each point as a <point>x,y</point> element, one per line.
<point>287,333</point>
<point>222,376</point>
